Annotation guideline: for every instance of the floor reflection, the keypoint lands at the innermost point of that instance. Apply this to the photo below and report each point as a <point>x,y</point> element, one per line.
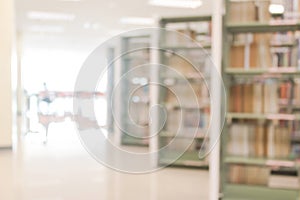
<point>63,170</point>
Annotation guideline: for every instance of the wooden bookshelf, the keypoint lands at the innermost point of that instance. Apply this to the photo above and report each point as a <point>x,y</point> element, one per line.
<point>260,71</point>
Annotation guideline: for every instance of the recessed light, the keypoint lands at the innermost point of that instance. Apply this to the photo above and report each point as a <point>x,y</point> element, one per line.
<point>70,0</point>
<point>95,26</point>
<point>137,20</point>
<point>46,28</point>
<point>39,15</point>
<point>86,25</point>
<point>177,3</point>
<point>89,25</point>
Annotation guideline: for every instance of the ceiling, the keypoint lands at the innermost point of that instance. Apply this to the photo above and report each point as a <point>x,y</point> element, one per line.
<point>94,20</point>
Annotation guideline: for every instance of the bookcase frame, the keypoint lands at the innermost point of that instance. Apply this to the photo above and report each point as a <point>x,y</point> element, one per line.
<point>123,66</point>
<point>188,159</point>
<point>230,191</point>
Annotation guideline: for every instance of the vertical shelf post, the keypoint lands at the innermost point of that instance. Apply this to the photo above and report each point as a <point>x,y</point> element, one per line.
<point>214,158</point>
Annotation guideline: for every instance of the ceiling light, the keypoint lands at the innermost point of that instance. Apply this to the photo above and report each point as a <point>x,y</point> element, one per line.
<point>95,26</point>
<point>50,16</point>
<point>87,25</point>
<point>177,3</point>
<point>44,28</point>
<point>276,9</point>
<point>71,0</point>
<point>137,20</point>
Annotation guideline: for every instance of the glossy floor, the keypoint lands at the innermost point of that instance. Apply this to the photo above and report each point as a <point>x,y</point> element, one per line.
<point>63,170</point>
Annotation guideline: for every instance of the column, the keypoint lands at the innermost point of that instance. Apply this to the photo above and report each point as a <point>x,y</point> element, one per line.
<point>6,49</point>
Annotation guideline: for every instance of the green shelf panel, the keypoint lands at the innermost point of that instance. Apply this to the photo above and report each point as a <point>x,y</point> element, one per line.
<point>185,156</point>
<point>188,163</point>
<point>128,140</point>
<point>130,58</point>
<point>261,27</point>
<point>286,44</point>
<point>166,20</point>
<point>246,116</point>
<point>185,107</point>
<point>199,136</point>
<point>249,192</point>
<point>276,116</point>
<point>137,36</point>
<point>261,161</point>
<point>245,160</point>
<point>187,48</point>
<point>189,77</point>
<point>294,71</point>
<point>187,159</point>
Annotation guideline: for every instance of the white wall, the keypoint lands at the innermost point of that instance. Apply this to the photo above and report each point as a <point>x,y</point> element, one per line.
<point>6,41</point>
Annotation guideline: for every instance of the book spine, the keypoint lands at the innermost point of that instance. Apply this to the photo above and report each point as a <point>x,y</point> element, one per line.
<point>257,98</point>
<point>270,141</point>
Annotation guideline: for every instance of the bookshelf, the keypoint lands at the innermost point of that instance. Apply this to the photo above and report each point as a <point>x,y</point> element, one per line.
<point>260,147</point>
<point>187,119</point>
<point>134,77</point>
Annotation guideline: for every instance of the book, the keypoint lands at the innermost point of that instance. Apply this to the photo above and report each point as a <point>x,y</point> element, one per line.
<point>260,55</point>
<point>295,151</point>
<point>256,175</point>
<point>241,174</point>
<point>285,90</point>
<point>270,96</point>
<point>271,141</point>
<point>190,34</point>
<point>281,56</point>
<point>236,174</point>
<point>260,141</point>
<point>262,11</point>
<point>248,98</point>
<point>258,97</point>
<point>240,50</point>
<point>237,51</point>
<point>296,91</point>
<point>239,140</point>
<point>283,139</point>
<point>264,50</point>
<point>204,118</point>
<point>191,118</point>
<point>278,141</point>
<point>173,123</point>
<point>283,181</point>
<point>236,98</point>
<point>242,12</point>
<point>182,37</point>
<point>178,66</point>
